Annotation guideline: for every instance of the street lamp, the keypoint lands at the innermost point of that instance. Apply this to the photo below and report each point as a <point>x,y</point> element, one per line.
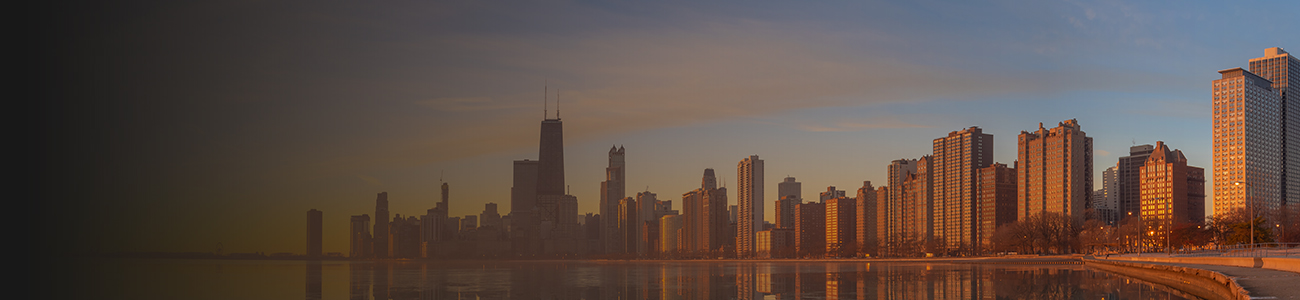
<point>1250,205</point>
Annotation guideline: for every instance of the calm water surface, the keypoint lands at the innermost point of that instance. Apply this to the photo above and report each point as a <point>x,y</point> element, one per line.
<point>235,279</point>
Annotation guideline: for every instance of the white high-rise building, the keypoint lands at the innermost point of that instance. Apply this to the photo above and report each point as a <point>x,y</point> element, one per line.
<point>749,219</point>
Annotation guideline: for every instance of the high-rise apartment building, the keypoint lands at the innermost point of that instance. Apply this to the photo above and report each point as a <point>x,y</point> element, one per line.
<point>891,209</point>
<point>1054,171</point>
<point>785,211</point>
<point>1128,185</point>
<point>359,237</point>
<point>956,161</point>
<point>810,229</point>
<point>645,217</point>
<point>611,190</point>
<point>670,228</point>
<point>865,219</point>
<point>1283,70</point>
<point>1173,193</point>
<point>1247,142</point>
<point>841,228</point>
<point>314,221</point>
<point>1105,201</point>
<point>997,201</point>
<point>749,218</point>
<point>381,226</point>
<point>705,220</point>
<point>715,234</point>
<point>789,187</point>
<point>628,225</point>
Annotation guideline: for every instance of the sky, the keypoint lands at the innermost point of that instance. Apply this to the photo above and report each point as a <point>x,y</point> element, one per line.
<point>195,126</point>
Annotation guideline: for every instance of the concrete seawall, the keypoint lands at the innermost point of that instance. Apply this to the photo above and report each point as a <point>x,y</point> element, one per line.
<point>1202,283</point>
<point>1275,263</point>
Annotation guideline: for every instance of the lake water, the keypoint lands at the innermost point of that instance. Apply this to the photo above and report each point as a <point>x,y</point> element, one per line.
<point>266,279</point>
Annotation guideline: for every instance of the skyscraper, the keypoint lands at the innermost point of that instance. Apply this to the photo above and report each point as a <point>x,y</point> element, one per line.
<point>892,208</point>
<point>359,237</point>
<point>790,187</point>
<point>841,229</point>
<point>489,217</point>
<point>1283,70</point>
<point>1054,171</point>
<point>810,229</point>
<point>314,219</point>
<point>1247,142</point>
<point>380,239</point>
<point>611,190</point>
<point>957,159</point>
<point>865,219</point>
<point>550,158</point>
<point>749,218</point>
<point>1105,201</point>
<point>1129,186</point>
<point>785,211</point>
<point>997,201</point>
<point>523,203</point>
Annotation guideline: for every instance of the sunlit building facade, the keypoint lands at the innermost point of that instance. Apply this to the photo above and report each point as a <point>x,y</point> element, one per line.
<point>749,218</point>
<point>1054,171</point>
<point>1247,141</point>
<point>1173,193</point>
<point>956,161</point>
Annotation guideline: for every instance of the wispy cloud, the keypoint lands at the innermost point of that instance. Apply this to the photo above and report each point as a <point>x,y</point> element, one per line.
<point>881,123</point>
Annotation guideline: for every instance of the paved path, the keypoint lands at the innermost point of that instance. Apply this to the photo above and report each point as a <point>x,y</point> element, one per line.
<point>1262,283</point>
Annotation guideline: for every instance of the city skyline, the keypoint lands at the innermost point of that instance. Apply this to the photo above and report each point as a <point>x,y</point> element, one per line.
<point>233,151</point>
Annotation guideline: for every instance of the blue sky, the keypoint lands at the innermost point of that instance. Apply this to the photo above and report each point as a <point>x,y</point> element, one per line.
<point>230,120</point>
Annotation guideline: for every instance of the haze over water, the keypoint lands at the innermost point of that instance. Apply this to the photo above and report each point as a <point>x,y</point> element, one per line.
<point>269,279</point>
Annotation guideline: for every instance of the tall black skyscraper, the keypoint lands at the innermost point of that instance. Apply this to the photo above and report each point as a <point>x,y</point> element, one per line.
<point>381,226</point>
<point>550,156</point>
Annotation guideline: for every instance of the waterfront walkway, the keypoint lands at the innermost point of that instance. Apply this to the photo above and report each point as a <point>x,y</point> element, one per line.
<point>1260,282</point>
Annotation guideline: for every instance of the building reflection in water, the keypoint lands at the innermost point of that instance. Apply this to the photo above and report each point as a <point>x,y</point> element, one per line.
<point>688,280</point>
<point>313,280</point>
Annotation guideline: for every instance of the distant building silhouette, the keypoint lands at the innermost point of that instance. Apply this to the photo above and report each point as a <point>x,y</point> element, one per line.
<point>489,217</point>
<point>314,221</point>
<point>789,187</point>
<point>360,244</point>
<point>865,219</point>
<point>749,218</point>
<point>523,203</point>
<point>404,238</point>
<point>1105,200</point>
<point>611,190</point>
<point>381,226</point>
<point>1128,186</point>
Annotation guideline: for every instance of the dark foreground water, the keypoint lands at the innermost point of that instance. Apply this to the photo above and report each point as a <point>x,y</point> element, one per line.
<point>235,279</point>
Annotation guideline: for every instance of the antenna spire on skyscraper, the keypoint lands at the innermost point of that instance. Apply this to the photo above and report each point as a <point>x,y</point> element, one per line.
<point>557,104</point>
<point>546,91</point>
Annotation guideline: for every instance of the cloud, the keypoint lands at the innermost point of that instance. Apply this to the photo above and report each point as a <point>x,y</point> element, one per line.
<point>1101,152</point>
<point>883,123</point>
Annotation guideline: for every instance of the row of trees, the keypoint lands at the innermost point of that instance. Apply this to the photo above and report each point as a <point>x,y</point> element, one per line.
<point>1056,233</point>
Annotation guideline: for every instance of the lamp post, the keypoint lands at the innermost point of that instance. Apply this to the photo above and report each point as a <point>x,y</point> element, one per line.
<point>1250,205</point>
